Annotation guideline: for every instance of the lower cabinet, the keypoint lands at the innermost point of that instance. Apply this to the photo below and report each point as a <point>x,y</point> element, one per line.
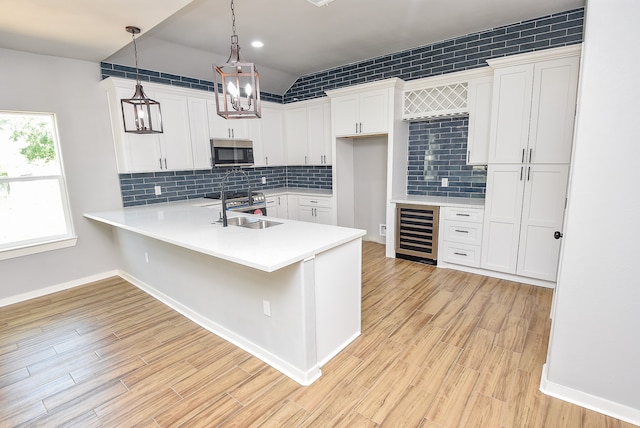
<point>524,208</point>
<point>277,206</point>
<point>314,209</point>
<point>461,235</point>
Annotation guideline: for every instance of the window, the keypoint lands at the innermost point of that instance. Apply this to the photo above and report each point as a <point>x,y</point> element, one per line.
<point>34,210</point>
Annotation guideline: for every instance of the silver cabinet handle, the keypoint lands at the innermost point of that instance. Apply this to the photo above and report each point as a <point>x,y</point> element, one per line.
<point>165,163</point>
<point>461,231</point>
<point>528,173</point>
<point>462,215</point>
<point>356,127</point>
<point>160,160</point>
<point>460,254</point>
<point>305,159</point>
<point>266,160</point>
<point>522,161</point>
<point>521,173</point>
<point>530,154</point>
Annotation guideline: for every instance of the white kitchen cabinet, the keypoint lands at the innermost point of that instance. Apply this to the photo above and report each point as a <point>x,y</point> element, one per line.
<point>479,93</point>
<point>524,207</point>
<point>314,209</point>
<point>199,129</point>
<point>461,235</point>
<point>267,136</point>
<point>277,206</point>
<point>219,127</point>
<point>533,110</point>
<point>365,113</point>
<point>293,211</point>
<point>308,133</point>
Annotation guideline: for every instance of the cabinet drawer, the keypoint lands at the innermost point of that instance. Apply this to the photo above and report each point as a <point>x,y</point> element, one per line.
<point>314,201</point>
<point>461,254</point>
<point>461,232</point>
<point>474,215</point>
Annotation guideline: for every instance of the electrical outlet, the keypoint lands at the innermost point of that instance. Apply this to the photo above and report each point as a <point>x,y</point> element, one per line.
<point>445,182</point>
<point>264,180</point>
<point>266,307</point>
<point>383,230</point>
<point>158,190</point>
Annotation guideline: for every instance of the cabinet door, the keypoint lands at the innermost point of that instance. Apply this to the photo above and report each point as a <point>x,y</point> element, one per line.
<point>306,213</point>
<point>319,141</point>
<point>503,211</point>
<point>553,111</point>
<point>223,128</point>
<point>295,136</point>
<point>176,137</point>
<point>374,113</point>
<point>323,215</point>
<point>280,207</point>
<point>272,137</point>
<point>293,207</point>
<point>345,115</point>
<point>199,127</point>
<point>542,214</point>
<point>510,114</point>
<point>479,101</point>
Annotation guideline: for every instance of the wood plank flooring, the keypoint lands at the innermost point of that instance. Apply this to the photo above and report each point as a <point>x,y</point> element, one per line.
<point>439,348</point>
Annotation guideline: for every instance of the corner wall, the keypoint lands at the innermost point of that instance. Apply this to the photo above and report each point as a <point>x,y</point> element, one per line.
<point>68,88</point>
<point>594,349</point>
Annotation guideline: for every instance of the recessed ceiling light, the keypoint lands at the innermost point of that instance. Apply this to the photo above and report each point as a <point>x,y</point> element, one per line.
<point>320,2</point>
<point>257,44</point>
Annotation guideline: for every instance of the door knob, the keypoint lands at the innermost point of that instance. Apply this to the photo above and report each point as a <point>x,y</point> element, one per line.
<point>557,234</point>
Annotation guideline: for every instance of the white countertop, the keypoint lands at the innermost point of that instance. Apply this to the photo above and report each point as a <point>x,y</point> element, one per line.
<point>297,191</point>
<point>191,225</point>
<point>439,201</point>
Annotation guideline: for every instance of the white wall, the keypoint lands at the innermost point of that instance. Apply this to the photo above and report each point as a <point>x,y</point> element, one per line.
<point>370,185</point>
<point>70,89</point>
<point>594,354</point>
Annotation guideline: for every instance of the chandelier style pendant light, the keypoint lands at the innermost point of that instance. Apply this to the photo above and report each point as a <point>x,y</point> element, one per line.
<point>238,83</point>
<point>140,114</point>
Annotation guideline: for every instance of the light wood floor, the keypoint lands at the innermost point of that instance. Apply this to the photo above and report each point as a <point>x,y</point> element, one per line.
<point>439,348</point>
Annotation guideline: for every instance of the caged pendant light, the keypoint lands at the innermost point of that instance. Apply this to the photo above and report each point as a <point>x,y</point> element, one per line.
<point>140,114</point>
<point>238,83</point>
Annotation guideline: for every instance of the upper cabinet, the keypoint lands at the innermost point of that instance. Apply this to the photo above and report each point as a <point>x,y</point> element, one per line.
<point>307,131</point>
<point>361,114</point>
<point>267,136</point>
<point>533,107</point>
<point>479,102</point>
<point>219,127</point>
<point>171,150</point>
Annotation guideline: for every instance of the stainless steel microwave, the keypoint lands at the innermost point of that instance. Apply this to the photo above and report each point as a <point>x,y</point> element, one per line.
<point>231,152</point>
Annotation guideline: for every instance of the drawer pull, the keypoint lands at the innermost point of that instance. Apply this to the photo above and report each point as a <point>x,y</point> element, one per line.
<point>460,254</point>
<point>462,215</point>
<point>461,231</point>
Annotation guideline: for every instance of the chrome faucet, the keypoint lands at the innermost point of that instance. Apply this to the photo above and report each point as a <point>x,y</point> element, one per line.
<point>223,196</point>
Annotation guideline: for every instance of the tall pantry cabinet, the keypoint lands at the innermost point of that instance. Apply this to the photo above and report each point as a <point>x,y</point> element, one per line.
<point>532,118</point>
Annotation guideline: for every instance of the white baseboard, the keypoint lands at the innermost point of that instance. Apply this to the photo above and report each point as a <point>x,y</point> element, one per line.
<point>592,402</point>
<point>302,377</point>
<point>55,288</point>
<point>499,275</point>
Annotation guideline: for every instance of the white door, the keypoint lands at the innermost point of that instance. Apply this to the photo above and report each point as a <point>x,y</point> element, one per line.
<point>553,111</point>
<point>295,135</point>
<point>199,128</point>
<point>542,215</point>
<point>176,137</point>
<point>503,211</point>
<point>510,114</point>
<point>345,115</point>
<point>374,115</point>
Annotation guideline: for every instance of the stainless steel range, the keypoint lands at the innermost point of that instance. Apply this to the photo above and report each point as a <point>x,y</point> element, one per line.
<point>239,202</point>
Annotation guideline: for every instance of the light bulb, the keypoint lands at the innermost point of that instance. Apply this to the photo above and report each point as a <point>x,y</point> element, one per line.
<point>232,89</point>
<point>248,89</point>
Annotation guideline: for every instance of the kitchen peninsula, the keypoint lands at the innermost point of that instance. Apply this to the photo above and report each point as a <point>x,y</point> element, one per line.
<point>288,294</point>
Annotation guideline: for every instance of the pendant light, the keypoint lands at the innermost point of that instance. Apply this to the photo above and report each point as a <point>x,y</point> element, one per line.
<point>238,83</point>
<point>140,114</point>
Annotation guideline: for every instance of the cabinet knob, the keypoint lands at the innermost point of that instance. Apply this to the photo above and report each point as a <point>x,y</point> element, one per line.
<point>557,234</point>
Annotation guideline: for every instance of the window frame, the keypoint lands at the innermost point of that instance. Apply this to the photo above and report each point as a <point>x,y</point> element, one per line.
<point>49,242</point>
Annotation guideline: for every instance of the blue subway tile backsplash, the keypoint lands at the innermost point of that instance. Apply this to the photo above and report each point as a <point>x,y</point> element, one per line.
<point>462,53</point>
<point>437,150</point>
<point>139,188</point>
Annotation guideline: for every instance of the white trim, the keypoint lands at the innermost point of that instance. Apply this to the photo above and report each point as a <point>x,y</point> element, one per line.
<point>58,287</point>
<point>499,275</point>
<point>588,401</point>
<point>542,55</point>
<point>303,378</point>
<point>39,247</point>
<point>393,82</point>
<point>448,78</point>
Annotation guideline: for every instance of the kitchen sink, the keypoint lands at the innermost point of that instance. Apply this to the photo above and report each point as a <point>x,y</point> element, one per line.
<point>251,222</point>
